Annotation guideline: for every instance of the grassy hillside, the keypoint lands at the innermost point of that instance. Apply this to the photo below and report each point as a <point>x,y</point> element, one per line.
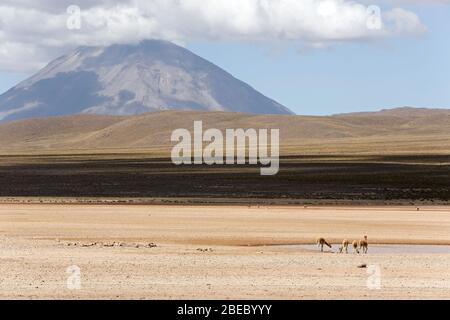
<point>406,130</point>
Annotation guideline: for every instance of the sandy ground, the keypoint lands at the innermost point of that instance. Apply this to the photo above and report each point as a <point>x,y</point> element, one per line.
<point>208,252</point>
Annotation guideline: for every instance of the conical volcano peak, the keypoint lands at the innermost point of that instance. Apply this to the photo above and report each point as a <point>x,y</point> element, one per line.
<point>126,79</point>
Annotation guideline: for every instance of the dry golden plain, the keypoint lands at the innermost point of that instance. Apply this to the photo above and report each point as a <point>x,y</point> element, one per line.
<point>209,252</point>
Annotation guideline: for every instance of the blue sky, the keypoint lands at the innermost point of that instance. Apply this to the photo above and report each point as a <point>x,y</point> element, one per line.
<point>349,77</point>
<point>346,77</point>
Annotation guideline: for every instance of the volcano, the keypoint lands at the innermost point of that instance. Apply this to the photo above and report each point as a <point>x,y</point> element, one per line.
<point>150,76</point>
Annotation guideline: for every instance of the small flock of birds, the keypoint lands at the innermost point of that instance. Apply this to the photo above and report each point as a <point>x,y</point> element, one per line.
<point>358,245</point>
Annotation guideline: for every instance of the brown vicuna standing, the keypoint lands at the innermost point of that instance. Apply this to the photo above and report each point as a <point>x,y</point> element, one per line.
<point>344,246</point>
<point>364,245</point>
<point>321,242</point>
<point>355,247</point>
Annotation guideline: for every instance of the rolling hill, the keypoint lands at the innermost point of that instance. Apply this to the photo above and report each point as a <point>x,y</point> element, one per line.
<point>403,130</point>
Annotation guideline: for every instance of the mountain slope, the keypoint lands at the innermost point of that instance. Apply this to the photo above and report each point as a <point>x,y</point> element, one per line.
<point>131,79</point>
<point>375,132</point>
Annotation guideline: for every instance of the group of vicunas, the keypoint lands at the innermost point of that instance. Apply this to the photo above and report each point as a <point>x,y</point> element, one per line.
<point>358,245</point>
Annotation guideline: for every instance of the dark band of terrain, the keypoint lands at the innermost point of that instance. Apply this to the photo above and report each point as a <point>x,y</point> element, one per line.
<point>416,178</point>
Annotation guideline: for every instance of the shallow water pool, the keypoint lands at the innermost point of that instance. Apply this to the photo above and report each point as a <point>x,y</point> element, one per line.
<point>401,248</point>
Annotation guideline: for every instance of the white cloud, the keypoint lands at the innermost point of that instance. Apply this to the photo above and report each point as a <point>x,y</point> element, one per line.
<point>32,32</point>
<point>403,21</point>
